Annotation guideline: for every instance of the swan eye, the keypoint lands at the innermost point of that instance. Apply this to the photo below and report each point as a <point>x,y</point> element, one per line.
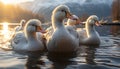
<point>32,25</point>
<point>95,20</point>
<point>75,19</point>
<point>63,10</point>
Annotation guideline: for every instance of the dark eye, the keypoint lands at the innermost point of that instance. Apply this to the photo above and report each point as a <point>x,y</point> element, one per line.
<point>32,25</point>
<point>63,10</point>
<point>95,20</point>
<point>75,19</point>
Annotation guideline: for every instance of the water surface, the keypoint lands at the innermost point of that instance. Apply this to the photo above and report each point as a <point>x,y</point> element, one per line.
<point>105,56</point>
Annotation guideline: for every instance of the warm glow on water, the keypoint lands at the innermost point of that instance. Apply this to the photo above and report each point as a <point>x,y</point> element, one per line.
<point>5,30</point>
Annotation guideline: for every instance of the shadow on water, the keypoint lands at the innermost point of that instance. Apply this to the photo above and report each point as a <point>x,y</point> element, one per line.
<point>61,60</point>
<point>37,60</point>
<point>90,54</point>
<point>65,60</point>
<point>61,56</point>
<point>33,59</point>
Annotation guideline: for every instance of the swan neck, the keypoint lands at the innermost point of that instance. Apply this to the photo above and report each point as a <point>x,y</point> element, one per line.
<point>56,23</point>
<point>31,36</point>
<point>90,29</point>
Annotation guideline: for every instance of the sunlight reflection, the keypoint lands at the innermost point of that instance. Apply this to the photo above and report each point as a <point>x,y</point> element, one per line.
<point>9,1</point>
<point>5,31</point>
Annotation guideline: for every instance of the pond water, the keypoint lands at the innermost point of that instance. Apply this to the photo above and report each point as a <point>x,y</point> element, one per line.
<point>105,56</point>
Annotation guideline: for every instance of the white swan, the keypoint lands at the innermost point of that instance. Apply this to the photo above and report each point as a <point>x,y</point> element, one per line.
<point>61,40</point>
<point>27,40</point>
<point>70,24</point>
<point>89,36</point>
<point>73,22</point>
<point>21,27</point>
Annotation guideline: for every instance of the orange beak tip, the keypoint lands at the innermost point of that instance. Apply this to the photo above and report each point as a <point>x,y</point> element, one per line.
<point>98,24</point>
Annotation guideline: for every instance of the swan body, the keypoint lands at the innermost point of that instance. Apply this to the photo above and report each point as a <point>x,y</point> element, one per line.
<point>89,36</point>
<point>71,25</point>
<point>61,39</point>
<point>28,40</point>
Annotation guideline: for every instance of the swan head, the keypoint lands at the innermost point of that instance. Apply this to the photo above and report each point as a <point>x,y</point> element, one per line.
<point>73,21</point>
<point>22,22</point>
<point>33,25</point>
<point>93,20</point>
<point>61,12</point>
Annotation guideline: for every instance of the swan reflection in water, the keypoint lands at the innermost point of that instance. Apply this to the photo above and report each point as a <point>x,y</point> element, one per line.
<point>90,54</point>
<point>63,61</point>
<point>33,60</point>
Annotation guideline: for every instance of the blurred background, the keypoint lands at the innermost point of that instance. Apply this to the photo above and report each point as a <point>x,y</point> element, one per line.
<point>14,10</point>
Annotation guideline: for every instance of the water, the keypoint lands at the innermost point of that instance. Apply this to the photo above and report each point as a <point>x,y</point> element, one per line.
<point>105,56</point>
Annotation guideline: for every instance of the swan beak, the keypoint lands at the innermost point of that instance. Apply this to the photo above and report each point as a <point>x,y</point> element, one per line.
<point>69,15</point>
<point>97,23</point>
<point>39,29</point>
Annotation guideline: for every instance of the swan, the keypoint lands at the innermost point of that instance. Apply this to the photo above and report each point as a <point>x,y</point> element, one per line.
<point>27,40</point>
<point>21,27</point>
<point>70,24</point>
<point>89,36</point>
<point>49,32</point>
<point>73,21</point>
<point>61,40</point>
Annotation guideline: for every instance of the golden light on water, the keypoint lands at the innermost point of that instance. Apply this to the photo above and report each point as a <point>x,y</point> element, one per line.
<point>5,30</point>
